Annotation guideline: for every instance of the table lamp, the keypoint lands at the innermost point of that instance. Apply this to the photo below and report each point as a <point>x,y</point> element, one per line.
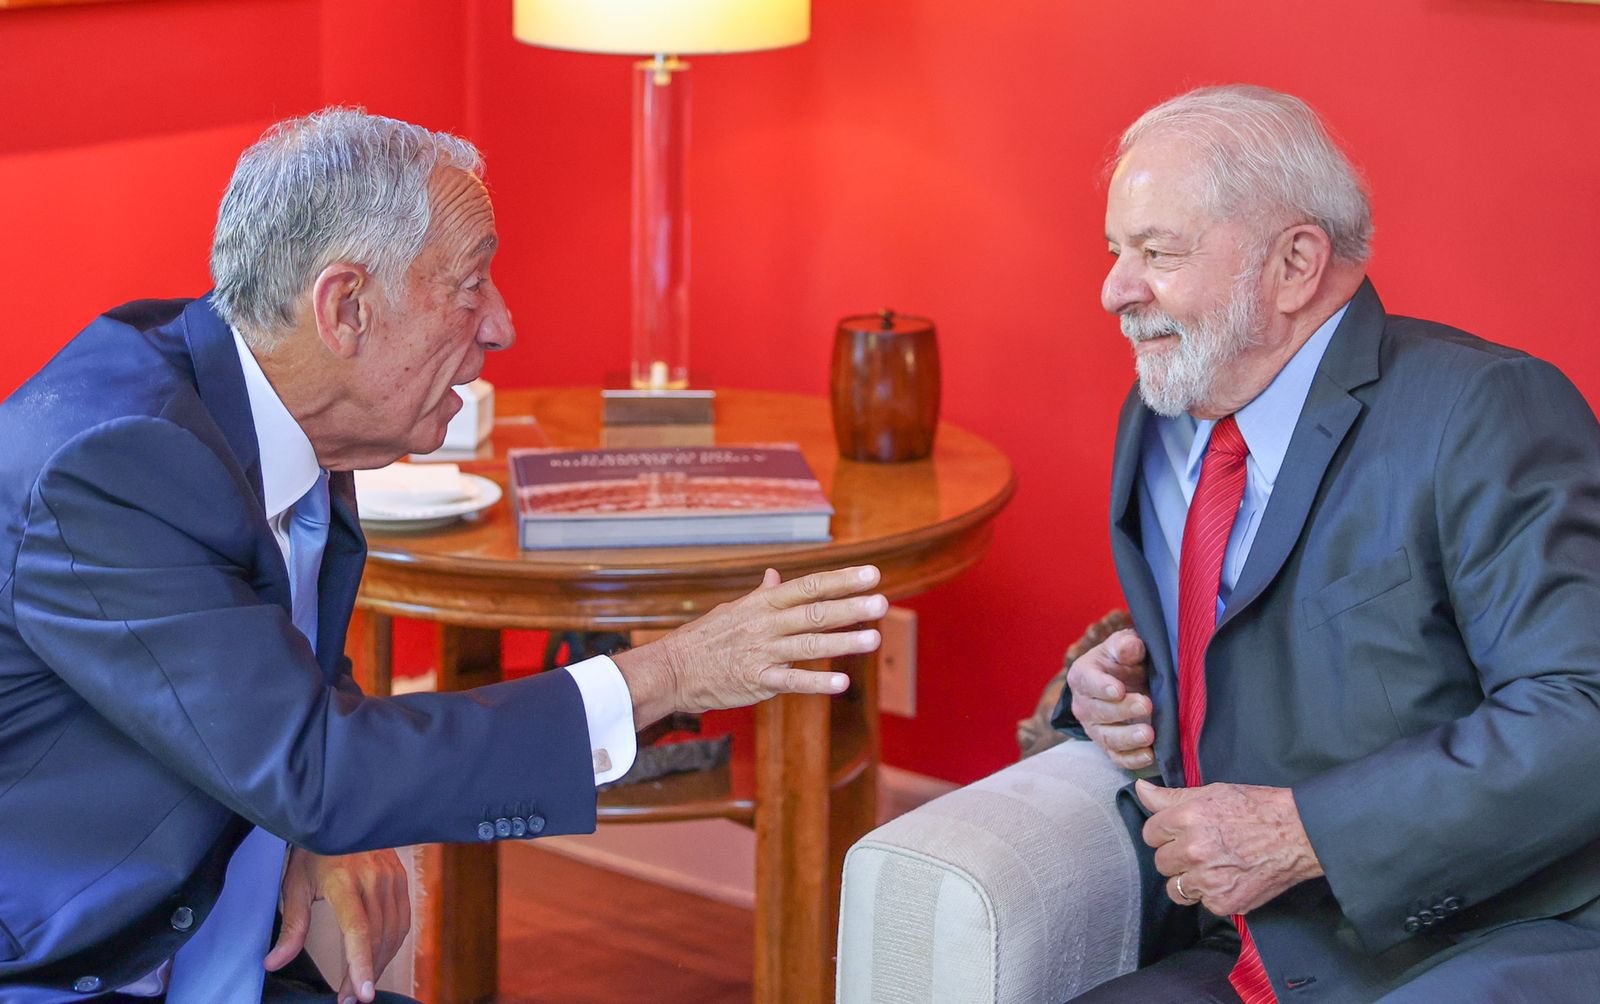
<point>663,30</point>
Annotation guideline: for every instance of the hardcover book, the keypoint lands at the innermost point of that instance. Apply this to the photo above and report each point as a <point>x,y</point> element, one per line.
<point>666,496</point>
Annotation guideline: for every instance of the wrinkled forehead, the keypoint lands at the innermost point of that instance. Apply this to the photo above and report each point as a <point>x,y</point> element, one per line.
<point>458,198</point>
<point>1159,181</point>
<point>461,217</point>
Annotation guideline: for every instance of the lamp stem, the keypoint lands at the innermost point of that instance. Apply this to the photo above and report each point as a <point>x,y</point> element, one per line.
<point>660,224</point>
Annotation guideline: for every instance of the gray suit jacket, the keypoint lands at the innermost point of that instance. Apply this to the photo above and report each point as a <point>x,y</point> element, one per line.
<point>1413,647</point>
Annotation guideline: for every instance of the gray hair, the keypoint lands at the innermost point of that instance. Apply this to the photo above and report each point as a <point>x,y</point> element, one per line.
<point>1266,153</point>
<point>337,185</point>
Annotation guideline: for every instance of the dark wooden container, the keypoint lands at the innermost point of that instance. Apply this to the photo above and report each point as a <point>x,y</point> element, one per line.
<point>885,383</point>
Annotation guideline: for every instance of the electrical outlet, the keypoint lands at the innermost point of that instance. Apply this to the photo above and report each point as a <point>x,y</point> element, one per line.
<point>897,663</point>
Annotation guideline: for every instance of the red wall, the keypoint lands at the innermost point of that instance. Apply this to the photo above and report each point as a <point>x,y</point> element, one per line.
<point>940,158</point>
<point>120,124</point>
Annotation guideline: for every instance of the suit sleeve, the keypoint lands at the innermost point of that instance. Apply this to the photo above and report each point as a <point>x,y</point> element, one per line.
<point>1509,786</point>
<point>143,581</point>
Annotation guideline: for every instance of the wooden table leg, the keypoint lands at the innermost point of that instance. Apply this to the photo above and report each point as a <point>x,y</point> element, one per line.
<point>369,642</point>
<point>853,809</point>
<point>458,939</point>
<point>793,945</point>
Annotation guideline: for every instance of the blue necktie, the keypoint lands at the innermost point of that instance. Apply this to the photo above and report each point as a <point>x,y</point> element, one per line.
<point>222,962</point>
<point>308,535</point>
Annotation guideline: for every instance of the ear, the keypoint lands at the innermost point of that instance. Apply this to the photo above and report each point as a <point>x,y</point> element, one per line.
<point>1299,260</point>
<point>343,298</point>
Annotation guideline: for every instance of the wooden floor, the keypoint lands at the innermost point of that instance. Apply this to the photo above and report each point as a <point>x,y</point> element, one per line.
<point>576,934</point>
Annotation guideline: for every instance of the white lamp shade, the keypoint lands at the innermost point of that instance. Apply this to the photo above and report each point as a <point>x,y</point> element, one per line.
<point>674,27</point>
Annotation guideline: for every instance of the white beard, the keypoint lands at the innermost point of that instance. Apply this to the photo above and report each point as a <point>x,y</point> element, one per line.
<point>1183,378</point>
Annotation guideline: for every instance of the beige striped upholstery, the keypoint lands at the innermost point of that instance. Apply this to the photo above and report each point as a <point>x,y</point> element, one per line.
<point>1019,887</point>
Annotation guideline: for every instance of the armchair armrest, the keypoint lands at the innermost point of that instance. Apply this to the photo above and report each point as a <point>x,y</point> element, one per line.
<point>1022,886</point>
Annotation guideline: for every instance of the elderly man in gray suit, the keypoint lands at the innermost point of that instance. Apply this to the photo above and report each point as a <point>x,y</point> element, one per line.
<point>1362,556</point>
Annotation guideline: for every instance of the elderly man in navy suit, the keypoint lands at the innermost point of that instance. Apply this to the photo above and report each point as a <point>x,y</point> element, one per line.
<point>181,745</point>
<point>1362,556</point>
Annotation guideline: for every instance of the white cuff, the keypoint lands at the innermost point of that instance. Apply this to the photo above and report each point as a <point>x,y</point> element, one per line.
<point>609,709</point>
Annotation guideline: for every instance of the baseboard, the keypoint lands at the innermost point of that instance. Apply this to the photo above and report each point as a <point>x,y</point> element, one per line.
<point>713,857</point>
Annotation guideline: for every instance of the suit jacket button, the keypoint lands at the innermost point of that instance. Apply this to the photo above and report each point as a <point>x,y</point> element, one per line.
<point>86,984</point>
<point>1413,925</point>
<point>519,826</point>
<point>182,919</point>
<point>536,824</point>
<point>1451,904</point>
<point>1427,917</point>
<point>485,830</point>
<point>502,827</point>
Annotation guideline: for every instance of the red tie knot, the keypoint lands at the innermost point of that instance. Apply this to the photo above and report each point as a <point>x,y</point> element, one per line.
<point>1227,439</point>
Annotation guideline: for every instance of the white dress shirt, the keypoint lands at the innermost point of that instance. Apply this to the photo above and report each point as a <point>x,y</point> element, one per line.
<point>288,468</point>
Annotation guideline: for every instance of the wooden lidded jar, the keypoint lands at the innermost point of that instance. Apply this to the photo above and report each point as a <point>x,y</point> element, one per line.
<point>885,383</point>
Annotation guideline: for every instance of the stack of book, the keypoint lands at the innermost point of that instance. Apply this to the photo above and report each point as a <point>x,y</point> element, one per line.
<point>666,496</point>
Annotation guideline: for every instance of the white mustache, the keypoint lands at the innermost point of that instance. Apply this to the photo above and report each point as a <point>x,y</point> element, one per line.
<point>1143,327</point>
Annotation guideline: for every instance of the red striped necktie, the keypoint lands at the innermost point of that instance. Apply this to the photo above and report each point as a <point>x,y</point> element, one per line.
<point>1206,530</point>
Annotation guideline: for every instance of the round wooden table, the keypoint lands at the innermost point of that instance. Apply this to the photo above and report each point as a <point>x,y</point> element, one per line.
<point>810,789</point>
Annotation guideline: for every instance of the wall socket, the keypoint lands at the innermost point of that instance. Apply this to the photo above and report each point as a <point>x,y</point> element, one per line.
<point>897,663</point>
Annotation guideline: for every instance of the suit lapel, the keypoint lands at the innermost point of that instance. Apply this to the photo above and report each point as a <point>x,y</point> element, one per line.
<point>1350,361</point>
<point>222,389</point>
<point>1138,585</point>
<point>220,382</point>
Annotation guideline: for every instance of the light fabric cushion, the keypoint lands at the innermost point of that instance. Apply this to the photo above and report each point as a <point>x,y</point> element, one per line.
<point>1020,887</point>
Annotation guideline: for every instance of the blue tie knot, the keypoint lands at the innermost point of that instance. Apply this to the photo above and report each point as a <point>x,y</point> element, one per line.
<point>312,508</point>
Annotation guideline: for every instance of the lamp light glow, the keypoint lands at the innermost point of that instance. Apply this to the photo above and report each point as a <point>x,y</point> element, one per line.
<point>674,27</point>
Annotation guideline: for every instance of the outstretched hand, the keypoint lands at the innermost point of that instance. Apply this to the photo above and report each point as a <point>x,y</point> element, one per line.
<point>1233,846</point>
<point>1111,699</point>
<point>371,904</point>
<point>744,650</point>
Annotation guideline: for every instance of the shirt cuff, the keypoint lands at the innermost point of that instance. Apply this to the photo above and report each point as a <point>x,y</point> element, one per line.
<point>609,709</point>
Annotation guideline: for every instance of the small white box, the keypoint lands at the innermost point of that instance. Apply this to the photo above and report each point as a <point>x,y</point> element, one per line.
<point>473,423</point>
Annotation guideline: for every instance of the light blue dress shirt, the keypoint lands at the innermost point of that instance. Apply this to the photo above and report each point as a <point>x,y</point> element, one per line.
<point>1169,465</point>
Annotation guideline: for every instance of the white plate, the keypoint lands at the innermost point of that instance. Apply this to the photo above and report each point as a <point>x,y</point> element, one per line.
<point>481,494</point>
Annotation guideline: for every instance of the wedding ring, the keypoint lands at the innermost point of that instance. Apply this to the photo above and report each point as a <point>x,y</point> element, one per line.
<point>1186,897</point>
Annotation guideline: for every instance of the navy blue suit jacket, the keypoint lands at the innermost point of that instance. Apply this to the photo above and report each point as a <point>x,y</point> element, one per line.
<point>155,699</point>
<point>1413,646</point>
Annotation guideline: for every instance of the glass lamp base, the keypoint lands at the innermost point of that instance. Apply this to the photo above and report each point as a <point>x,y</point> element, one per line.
<point>657,374</point>
<point>660,272</point>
